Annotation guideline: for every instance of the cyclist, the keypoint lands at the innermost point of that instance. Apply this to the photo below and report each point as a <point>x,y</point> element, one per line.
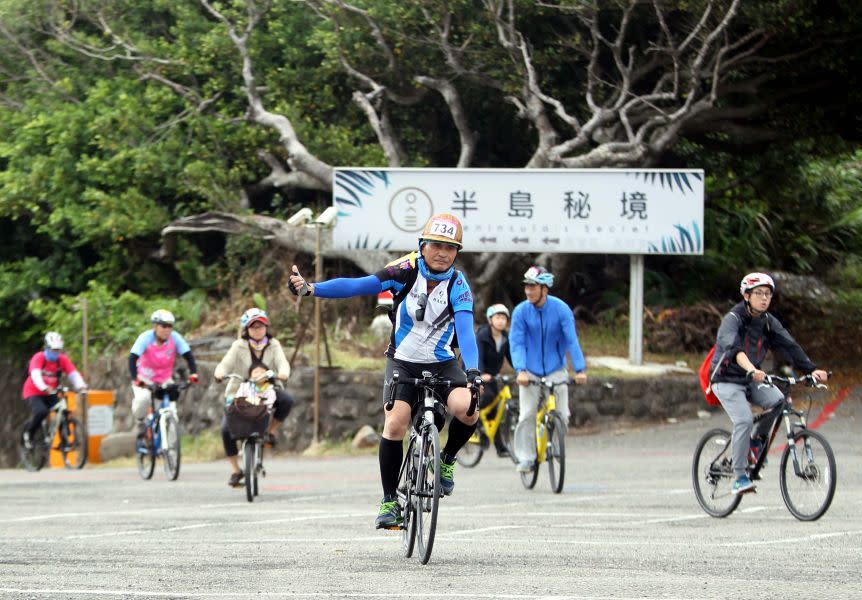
<point>543,331</point>
<point>256,347</point>
<point>437,304</point>
<point>43,377</point>
<point>493,342</point>
<point>746,334</point>
<point>151,360</point>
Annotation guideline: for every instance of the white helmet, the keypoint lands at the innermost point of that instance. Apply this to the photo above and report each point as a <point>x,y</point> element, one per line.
<point>252,315</point>
<point>496,309</point>
<point>53,341</point>
<point>753,280</point>
<point>162,317</point>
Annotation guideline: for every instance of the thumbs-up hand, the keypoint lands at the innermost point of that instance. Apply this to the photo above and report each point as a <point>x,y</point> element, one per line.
<point>298,286</point>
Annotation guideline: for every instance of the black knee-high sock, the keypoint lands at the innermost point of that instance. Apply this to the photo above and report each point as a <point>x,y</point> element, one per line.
<point>459,433</point>
<point>390,454</point>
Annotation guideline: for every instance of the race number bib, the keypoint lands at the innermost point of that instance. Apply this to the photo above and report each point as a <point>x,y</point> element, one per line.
<point>443,228</point>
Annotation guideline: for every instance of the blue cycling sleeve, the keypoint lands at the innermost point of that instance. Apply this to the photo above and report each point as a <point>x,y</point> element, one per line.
<point>347,287</point>
<point>466,339</point>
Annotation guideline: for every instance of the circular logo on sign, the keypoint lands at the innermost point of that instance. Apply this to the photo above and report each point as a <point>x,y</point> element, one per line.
<point>410,208</point>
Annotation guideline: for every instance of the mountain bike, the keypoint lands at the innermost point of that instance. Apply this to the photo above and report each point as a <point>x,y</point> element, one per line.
<point>419,479</point>
<point>249,422</point>
<point>550,438</point>
<point>806,475</point>
<point>69,433</point>
<point>162,434</point>
<point>500,416</point>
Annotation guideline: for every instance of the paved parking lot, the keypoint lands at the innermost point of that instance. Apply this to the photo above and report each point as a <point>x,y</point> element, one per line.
<point>626,526</point>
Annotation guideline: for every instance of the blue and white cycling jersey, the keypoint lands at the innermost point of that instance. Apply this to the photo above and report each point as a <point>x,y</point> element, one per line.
<point>428,340</point>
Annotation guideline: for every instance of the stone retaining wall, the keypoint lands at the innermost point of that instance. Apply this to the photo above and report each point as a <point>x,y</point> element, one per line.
<point>350,400</point>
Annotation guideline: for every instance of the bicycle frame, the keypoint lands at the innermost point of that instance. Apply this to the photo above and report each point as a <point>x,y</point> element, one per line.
<point>787,413</point>
<point>491,416</point>
<point>156,416</point>
<point>547,403</point>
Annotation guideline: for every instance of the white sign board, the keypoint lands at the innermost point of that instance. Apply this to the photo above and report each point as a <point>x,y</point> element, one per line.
<point>595,211</point>
<point>100,419</point>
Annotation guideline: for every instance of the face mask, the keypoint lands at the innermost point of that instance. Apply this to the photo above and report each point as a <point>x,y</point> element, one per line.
<point>52,355</point>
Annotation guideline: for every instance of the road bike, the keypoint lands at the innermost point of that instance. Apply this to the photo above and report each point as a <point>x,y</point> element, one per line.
<point>498,416</point>
<point>806,474</point>
<point>419,479</point>
<point>69,433</point>
<point>162,431</point>
<point>248,422</point>
<point>550,438</point>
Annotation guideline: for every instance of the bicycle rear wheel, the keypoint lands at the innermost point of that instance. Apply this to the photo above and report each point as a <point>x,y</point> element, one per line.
<point>172,447</point>
<point>556,453</point>
<point>146,455</point>
<point>35,457</point>
<point>248,454</point>
<point>471,453</point>
<point>712,474</point>
<point>406,484</point>
<point>427,498</point>
<point>73,443</point>
<point>807,475</point>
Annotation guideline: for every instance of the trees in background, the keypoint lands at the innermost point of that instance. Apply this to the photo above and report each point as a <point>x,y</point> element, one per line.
<point>118,117</point>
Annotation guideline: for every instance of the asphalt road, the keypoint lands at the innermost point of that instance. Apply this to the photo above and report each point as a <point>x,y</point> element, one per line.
<point>627,525</point>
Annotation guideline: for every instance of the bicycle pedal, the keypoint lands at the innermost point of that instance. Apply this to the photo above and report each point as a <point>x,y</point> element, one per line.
<point>393,528</point>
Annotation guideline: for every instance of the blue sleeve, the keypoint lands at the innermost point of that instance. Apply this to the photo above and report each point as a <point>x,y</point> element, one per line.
<point>466,339</point>
<point>180,342</point>
<point>517,339</point>
<point>144,340</point>
<point>347,287</point>
<point>461,298</point>
<point>571,337</point>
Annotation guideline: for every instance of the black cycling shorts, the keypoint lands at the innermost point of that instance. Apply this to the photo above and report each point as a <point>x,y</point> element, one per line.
<point>410,393</point>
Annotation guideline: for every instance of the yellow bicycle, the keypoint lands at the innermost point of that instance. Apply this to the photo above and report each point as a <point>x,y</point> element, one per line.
<point>550,438</point>
<point>497,416</point>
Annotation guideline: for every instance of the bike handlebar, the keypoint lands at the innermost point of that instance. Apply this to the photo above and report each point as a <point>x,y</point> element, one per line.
<point>807,380</point>
<point>429,381</point>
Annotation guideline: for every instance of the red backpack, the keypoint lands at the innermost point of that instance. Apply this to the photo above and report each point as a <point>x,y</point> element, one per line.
<point>703,374</point>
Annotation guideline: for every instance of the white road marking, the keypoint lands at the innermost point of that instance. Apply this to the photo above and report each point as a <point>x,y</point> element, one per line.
<point>794,540</point>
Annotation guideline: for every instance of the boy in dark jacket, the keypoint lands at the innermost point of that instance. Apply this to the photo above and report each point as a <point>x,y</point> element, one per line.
<point>746,334</point>
<point>493,342</point>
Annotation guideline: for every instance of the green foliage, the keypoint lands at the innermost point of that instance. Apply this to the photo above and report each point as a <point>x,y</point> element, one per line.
<point>114,320</point>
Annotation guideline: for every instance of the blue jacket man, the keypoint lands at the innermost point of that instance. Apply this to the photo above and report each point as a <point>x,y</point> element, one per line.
<point>542,333</point>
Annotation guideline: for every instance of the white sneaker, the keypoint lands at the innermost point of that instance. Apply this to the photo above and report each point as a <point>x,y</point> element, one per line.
<point>524,466</point>
<point>28,444</point>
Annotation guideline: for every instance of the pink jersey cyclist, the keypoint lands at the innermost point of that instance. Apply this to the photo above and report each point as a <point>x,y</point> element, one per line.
<point>152,359</point>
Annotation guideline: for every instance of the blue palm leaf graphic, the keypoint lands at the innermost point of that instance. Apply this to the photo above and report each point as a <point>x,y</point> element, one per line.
<point>355,186</point>
<point>676,179</point>
<point>686,241</point>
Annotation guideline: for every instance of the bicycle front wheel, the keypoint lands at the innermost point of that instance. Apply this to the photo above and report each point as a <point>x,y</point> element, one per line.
<point>35,457</point>
<point>406,486</point>
<point>172,447</point>
<point>146,455</point>
<point>73,443</point>
<point>471,453</point>
<point>712,474</point>
<point>507,432</point>
<point>807,475</point>
<point>258,466</point>
<point>427,496</point>
<point>248,454</point>
<point>556,452</point>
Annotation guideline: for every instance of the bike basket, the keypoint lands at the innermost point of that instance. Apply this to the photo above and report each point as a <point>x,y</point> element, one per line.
<point>245,419</point>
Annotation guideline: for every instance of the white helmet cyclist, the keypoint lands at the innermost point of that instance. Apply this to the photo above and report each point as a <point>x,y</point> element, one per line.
<point>162,317</point>
<point>539,276</point>
<point>53,341</point>
<point>755,280</point>
<point>253,315</point>
<point>496,309</point>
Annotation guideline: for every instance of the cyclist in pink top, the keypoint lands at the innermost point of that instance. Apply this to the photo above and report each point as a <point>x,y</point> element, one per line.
<point>43,378</point>
<point>152,361</point>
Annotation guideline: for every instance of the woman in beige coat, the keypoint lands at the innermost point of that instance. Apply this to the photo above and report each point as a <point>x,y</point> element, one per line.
<point>256,347</point>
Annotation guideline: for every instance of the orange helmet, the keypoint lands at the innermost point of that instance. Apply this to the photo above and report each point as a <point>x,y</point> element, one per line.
<point>443,227</point>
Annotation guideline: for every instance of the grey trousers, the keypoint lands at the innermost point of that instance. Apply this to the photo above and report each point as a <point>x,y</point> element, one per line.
<point>528,401</point>
<point>733,399</point>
